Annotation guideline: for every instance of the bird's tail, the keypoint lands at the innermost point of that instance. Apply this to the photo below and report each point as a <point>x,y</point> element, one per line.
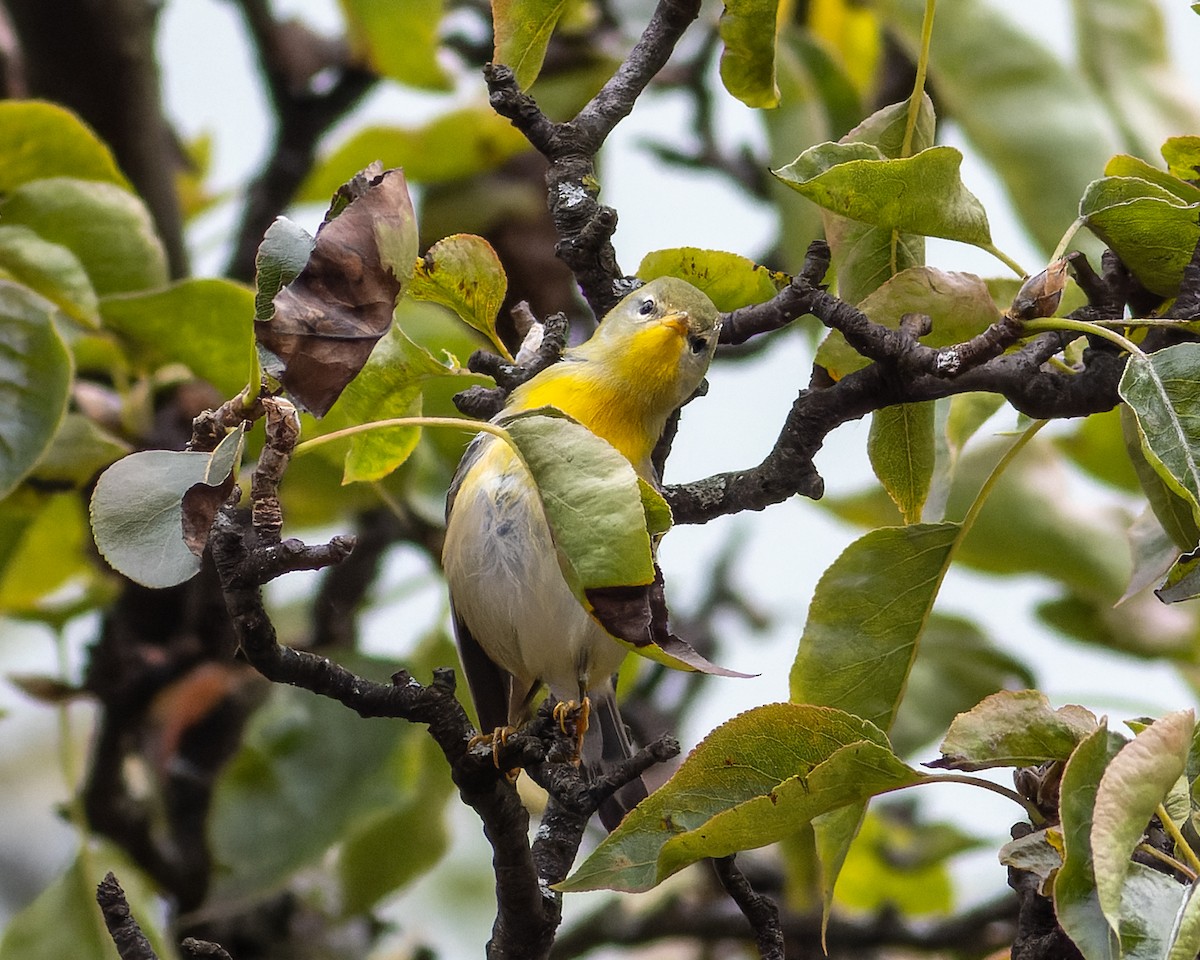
<point>605,744</point>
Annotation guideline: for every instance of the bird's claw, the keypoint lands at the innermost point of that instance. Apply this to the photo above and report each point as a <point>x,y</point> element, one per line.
<point>576,713</point>
<point>496,740</point>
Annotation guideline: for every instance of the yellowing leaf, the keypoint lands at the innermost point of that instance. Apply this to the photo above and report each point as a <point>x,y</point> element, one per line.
<point>522,30</point>
<point>747,28</point>
<point>463,273</point>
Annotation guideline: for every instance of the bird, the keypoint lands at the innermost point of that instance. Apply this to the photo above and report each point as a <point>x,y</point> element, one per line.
<point>517,623</point>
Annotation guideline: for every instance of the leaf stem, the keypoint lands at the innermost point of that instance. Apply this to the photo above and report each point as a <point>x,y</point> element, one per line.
<point>1166,858</point>
<point>914,103</point>
<point>1067,237</point>
<point>456,423</point>
<point>997,471</point>
<point>1036,817</point>
<point>1180,843</point>
<point>1084,326</point>
<point>1005,259</point>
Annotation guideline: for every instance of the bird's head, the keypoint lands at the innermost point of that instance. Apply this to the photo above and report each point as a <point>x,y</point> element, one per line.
<point>660,339</point>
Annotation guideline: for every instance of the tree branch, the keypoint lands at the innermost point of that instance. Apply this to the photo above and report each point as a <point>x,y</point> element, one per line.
<point>127,936</point>
<point>758,909</point>
<point>585,227</point>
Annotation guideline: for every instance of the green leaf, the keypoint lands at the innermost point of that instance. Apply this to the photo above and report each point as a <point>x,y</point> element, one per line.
<point>1172,509</point>
<point>457,145</point>
<point>80,449</point>
<point>900,447</point>
<point>35,381</point>
<point>866,256</point>
<point>1153,553</point>
<point>763,754</point>
<point>389,386</point>
<point>958,304</point>
<point>968,412</point>
<point>373,28</point>
<point>1183,157</point>
<point>107,228</point>
<point>958,667</point>
<point>1123,165</point>
<point>1097,446</point>
<point>410,828</point>
<point>139,509</point>
<point>285,249</point>
<point>1075,901</point>
<point>1133,784</point>
<point>44,549</point>
<point>271,815</point>
<point>1150,228</point>
<point>1029,114</point>
<point>731,281</point>
<point>592,499</point>
<point>1023,530</point>
<point>206,324</point>
<point>866,617</point>
<point>463,273</point>
<point>39,140</point>
<point>1161,390</point>
<point>817,103</point>
<point>747,28</point>
<point>919,194</point>
<point>522,30</point>
<point>1014,729</point>
<point>49,269</point>
<point>65,923</point>
<point>899,865</point>
<point>1123,53</point>
<point>850,776</point>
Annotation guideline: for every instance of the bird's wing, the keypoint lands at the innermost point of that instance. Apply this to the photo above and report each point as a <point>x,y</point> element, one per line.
<point>489,684</point>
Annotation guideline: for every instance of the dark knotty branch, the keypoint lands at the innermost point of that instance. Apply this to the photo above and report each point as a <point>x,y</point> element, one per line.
<point>485,402</point>
<point>759,910</point>
<point>99,60</point>
<point>585,226</point>
<point>906,371</point>
<point>291,58</point>
<point>248,552</point>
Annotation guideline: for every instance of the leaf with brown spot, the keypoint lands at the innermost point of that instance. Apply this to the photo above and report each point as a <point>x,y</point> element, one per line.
<point>330,317</point>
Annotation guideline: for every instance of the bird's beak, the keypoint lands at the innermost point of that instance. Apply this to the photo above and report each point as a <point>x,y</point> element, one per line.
<point>678,322</point>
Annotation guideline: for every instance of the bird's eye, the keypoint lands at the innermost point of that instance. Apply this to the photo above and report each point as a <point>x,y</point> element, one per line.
<point>647,307</point>
<point>698,344</point>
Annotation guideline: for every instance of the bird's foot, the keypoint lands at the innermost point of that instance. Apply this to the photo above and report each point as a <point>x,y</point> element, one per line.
<point>496,740</point>
<point>574,713</point>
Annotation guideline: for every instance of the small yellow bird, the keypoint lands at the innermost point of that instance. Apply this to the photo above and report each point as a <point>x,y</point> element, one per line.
<point>517,622</point>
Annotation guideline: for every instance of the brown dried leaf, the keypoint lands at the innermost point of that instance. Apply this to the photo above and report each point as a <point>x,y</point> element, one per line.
<point>330,317</point>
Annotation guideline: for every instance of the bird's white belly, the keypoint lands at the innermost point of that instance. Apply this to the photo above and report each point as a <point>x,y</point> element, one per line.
<point>507,586</point>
